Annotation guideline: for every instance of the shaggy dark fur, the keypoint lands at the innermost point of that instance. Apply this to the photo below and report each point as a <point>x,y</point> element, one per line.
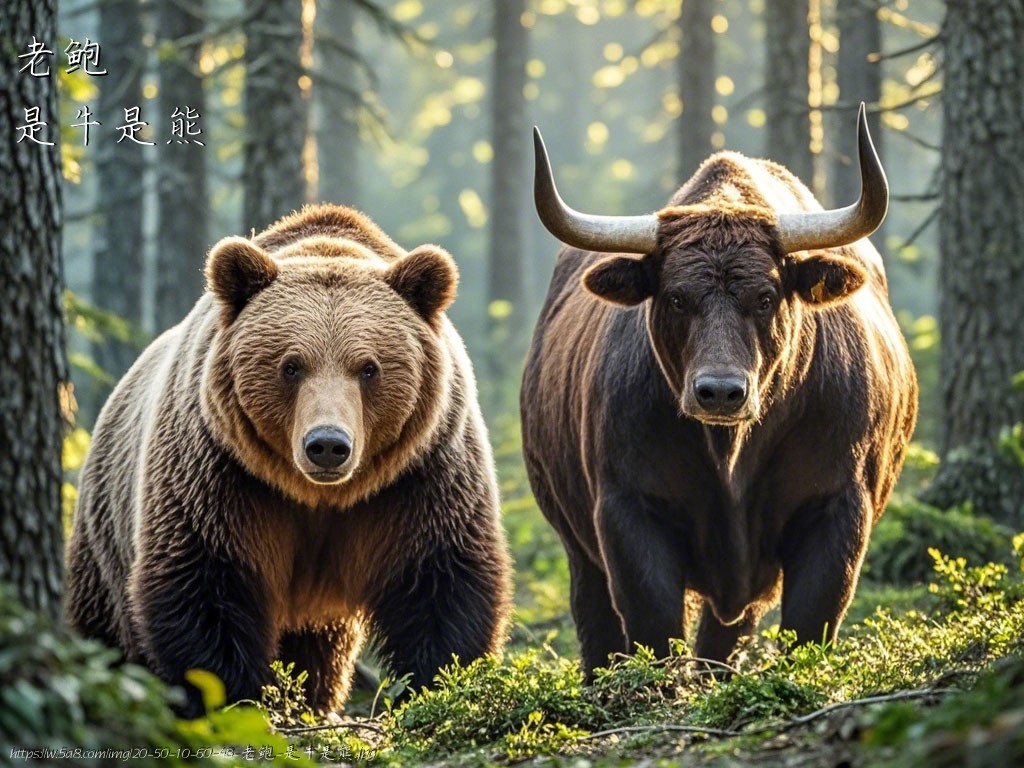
<point>204,537</point>
<point>651,496</point>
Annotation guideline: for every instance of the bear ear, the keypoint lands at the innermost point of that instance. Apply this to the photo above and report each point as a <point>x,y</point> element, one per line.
<point>237,270</point>
<point>427,279</point>
<point>822,279</point>
<point>624,280</point>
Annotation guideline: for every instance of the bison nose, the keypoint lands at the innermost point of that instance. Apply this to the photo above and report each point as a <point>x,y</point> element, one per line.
<point>327,447</point>
<point>720,393</point>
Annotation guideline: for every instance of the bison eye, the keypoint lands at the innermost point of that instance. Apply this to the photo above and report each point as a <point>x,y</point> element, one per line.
<point>765,302</point>
<point>677,301</point>
<point>369,371</point>
<point>291,370</point>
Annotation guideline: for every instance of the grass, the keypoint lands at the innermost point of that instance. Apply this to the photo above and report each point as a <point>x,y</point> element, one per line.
<point>938,645</point>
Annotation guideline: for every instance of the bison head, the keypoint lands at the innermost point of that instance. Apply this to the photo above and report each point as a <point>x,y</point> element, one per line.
<point>723,279</point>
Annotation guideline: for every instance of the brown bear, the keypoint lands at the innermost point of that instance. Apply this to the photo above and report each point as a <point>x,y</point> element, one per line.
<point>298,462</point>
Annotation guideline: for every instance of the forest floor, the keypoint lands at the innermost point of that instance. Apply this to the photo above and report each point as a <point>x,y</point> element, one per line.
<point>934,678</point>
<point>928,671</point>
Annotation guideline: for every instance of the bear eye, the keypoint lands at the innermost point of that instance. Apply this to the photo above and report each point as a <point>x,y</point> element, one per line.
<point>369,371</point>
<point>291,370</point>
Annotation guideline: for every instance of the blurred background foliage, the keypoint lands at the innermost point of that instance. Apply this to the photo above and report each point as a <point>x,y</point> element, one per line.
<point>400,110</point>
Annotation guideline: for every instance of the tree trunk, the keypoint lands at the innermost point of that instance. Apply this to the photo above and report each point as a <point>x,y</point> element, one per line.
<point>183,234</point>
<point>859,79</point>
<point>276,114</point>
<point>32,363</point>
<point>788,45</point>
<point>120,167</point>
<point>696,78</point>
<point>337,103</point>
<point>509,179</point>
<point>981,279</point>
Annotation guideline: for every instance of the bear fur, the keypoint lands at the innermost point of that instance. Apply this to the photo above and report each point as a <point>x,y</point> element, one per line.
<point>204,535</point>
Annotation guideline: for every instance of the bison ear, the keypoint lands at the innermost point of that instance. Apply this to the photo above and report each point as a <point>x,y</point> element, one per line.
<point>823,279</point>
<point>236,270</point>
<point>426,278</point>
<point>622,280</point>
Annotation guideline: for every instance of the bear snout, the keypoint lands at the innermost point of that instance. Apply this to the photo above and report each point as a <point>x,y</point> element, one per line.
<point>328,448</point>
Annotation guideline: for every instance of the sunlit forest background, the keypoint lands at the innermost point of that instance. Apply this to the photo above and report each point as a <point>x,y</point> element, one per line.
<point>396,111</point>
<point>399,109</point>
<point>420,115</point>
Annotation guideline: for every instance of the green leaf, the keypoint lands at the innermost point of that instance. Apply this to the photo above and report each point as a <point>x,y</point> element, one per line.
<point>210,687</point>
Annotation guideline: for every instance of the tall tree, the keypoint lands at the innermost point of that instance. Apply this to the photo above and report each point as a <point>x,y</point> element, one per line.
<point>859,77</point>
<point>337,103</point>
<point>509,177</point>
<point>981,277</point>
<point>120,168</point>
<point>276,113</point>
<point>787,52</point>
<point>32,363</point>
<point>696,77</point>
<point>183,233</point>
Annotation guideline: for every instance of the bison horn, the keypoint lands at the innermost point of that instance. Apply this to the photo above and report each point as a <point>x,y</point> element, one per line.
<point>830,229</point>
<point>611,234</point>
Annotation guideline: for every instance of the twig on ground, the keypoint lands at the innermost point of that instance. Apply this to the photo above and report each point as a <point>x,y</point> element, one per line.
<point>709,662</point>
<point>661,727</point>
<point>685,659</point>
<point>332,727</point>
<point>779,727</point>
<point>795,722</point>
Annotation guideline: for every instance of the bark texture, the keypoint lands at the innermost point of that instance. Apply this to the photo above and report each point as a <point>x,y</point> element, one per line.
<point>509,178</point>
<point>859,79</point>
<point>337,101</point>
<point>120,167</point>
<point>509,196</point>
<point>696,78</point>
<point>183,234</point>
<point>788,44</point>
<point>981,279</point>
<point>32,363</point>
<point>276,114</point>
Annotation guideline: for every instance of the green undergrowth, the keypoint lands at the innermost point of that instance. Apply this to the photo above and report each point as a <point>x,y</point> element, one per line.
<point>898,554</point>
<point>960,644</point>
<point>981,726</point>
<point>534,702</point>
<point>77,699</point>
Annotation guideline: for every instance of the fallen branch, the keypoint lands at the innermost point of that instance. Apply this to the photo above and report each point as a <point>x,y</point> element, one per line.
<point>710,663</point>
<point>778,727</point>
<point>335,726</point>
<point>685,659</point>
<point>724,733</point>
<point>826,710</point>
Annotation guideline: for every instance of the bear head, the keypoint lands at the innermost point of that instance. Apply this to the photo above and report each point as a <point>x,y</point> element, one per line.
<point>329,367</point>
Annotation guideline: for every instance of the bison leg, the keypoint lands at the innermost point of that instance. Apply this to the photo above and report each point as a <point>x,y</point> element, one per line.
<point>328,655</point>
<point>820,567</point>
<point>716,640</point>
<point>598,626</point>
<point>645,570</point>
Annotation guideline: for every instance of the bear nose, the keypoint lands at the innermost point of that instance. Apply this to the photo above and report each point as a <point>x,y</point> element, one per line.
<point>722,394</point>
<point>327,447</point>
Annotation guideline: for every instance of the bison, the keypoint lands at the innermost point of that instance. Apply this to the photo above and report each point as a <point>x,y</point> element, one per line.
<point>721,407</point>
